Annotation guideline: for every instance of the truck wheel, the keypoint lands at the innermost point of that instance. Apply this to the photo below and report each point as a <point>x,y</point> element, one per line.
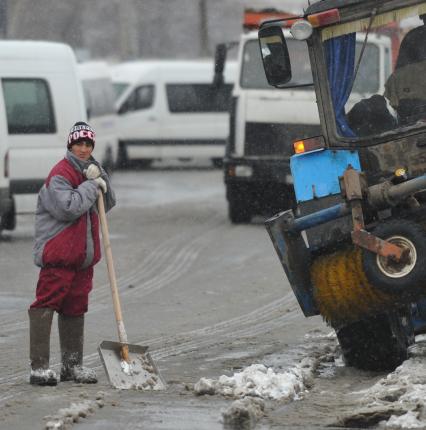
<point>122,159</point>
<point>407,276</point>
<point>108,161</point>
<point>376,343</point>
<point>8,220</point>
<point>238,212</point>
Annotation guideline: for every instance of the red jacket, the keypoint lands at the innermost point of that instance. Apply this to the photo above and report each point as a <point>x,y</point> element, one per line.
<point>67,224</point>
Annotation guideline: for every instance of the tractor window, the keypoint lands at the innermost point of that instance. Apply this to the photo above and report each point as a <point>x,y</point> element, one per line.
<point>253,74</point>
<point>377,78</point>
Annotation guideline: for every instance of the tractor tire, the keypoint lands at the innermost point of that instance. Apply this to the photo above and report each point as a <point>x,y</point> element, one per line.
<point>377,343</point>
<point>404,278</point>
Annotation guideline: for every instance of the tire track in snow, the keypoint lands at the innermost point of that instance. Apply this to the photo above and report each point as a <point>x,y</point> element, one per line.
<point>260,320</point>
<point>147,276</point>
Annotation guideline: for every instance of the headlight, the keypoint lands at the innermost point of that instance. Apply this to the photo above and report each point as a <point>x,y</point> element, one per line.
<point>244,171</point>
<point>301,30</point>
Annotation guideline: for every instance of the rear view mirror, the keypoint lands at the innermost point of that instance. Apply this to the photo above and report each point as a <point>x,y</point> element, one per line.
<point>275,56</point>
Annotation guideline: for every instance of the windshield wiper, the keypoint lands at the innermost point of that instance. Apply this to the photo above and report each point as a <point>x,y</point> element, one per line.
<point>373,15</point>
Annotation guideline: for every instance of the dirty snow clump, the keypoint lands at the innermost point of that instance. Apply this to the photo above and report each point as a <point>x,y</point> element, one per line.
<point>399,396</point>
<point>407,421</point>
<point>258,380</point>
<point>66,417</point>
<point>244,413</point>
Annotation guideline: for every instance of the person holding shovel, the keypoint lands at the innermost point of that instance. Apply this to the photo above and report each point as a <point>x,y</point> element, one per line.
<point>67,246</point>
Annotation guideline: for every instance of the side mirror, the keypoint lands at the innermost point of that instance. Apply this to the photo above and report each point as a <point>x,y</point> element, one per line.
<point>275,56</point>
<point>219,64</point>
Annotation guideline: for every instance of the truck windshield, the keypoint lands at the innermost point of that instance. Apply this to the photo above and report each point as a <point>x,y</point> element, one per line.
<point>382,90</point>
<point>119,88</point>
<point>253,73</point>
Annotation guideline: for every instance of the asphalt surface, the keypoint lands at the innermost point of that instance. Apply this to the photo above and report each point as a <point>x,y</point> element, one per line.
<point>209,298</point>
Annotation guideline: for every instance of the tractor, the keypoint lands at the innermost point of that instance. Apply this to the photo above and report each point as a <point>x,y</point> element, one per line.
<point>353,246</point>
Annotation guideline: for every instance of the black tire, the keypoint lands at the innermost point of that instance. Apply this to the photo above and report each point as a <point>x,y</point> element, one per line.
<point>376,343</point>
<point>122,160</point>
<point>399,278</point>
<point>238,213</point>
<point>8,220</point>
<point>108,161</point>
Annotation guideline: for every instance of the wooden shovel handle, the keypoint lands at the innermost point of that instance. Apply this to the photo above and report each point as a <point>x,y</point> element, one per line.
<point>122,336</point>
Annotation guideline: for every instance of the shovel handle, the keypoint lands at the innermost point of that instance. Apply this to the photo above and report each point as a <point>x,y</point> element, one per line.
<point>122,336</point>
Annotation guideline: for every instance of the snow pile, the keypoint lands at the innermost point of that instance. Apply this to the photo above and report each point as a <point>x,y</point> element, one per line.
<point>244,413</point>
<point>258,380</point>
<point>407,421</point>
<point>398,400</point>
<point>66,417</point>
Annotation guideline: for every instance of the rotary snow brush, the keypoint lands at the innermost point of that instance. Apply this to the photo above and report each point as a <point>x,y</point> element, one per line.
<point>341,289</point>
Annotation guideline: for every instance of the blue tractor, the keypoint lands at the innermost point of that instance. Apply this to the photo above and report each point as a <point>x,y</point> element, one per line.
<point>354,245</point>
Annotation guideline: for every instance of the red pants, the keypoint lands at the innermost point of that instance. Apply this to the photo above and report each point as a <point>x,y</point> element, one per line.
<point>64,289</point>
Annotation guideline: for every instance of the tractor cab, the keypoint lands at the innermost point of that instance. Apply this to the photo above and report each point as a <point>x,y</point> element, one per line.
<point>357,112</point>
<point>360,185</point>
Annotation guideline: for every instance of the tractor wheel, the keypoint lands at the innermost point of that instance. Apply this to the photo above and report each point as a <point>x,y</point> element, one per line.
<point>377,343</point>
<point>405,277</point>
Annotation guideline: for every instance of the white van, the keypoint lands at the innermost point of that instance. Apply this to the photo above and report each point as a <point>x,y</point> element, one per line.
<point>171,109</point>
<point>100,104</point>
<point>40,99</point>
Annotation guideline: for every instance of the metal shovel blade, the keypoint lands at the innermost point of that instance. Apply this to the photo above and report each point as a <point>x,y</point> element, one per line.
<point>140,373</point>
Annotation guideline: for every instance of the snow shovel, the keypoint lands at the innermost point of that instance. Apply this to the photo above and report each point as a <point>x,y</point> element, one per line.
<point>127,366</point>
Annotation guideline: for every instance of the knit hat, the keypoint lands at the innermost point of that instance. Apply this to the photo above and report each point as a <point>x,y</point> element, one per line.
<point>81,132</point>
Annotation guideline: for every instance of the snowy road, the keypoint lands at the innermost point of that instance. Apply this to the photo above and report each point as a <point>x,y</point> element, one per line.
<point>209,299</point>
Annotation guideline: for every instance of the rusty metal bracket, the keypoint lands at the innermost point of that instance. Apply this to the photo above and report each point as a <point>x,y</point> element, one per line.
<point>354,188</point>
<point>366,240</point>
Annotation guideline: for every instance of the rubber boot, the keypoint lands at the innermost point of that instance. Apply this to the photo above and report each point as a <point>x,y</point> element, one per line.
<point>71,337</point>
<point>40,325</point>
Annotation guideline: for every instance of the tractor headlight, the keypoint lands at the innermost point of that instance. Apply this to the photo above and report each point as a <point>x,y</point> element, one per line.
<point>301,30</point>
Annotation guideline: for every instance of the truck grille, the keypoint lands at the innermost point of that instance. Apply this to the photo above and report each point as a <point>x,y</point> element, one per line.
<point>276,139</point>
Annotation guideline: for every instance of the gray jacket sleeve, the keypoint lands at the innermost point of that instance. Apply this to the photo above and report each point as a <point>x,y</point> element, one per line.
<point>66,203</point>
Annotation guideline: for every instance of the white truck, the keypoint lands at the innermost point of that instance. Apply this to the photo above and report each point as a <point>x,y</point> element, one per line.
<point>265,122</point>
<point>41,97</point>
